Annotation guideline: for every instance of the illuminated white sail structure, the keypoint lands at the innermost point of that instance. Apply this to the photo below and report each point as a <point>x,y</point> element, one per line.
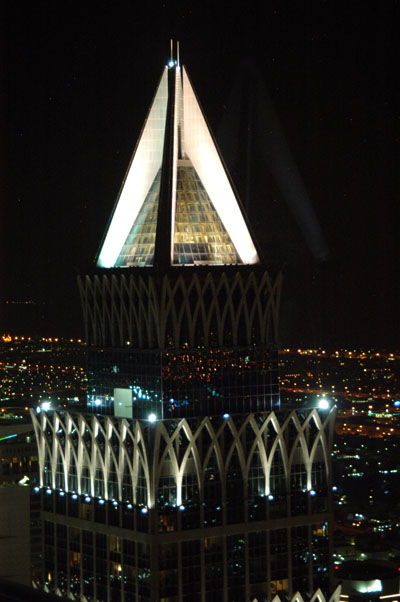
<point>205,224</point>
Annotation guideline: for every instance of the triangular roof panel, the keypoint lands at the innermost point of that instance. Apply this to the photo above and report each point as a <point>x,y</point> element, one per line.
<point>201,149</point>
<point>145,164</point>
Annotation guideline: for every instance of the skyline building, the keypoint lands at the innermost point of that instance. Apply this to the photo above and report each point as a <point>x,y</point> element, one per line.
<point>187,479</point>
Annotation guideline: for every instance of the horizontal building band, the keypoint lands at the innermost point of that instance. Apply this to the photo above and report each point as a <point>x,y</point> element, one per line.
<point>182,383</point>
<point>173,462</point>
<point>107,563</point>
<point>183,308</point>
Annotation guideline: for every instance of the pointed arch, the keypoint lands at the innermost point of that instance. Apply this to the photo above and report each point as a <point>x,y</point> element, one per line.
<point>212,489</point>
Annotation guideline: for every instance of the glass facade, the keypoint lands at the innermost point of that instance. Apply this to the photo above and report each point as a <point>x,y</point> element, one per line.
<point>186,383</point>
<point>138,249</point>
<point>112,563</point>
<point>200,236</point>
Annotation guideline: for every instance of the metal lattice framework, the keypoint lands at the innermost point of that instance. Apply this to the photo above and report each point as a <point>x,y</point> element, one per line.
<point>181,308</point>
<point>106,448</point>
<point>317,596</point>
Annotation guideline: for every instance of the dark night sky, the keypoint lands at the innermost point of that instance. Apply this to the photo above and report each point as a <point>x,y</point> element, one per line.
<point>78,83</point>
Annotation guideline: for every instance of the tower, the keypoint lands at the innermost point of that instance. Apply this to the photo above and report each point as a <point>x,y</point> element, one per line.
<point>186,479</point>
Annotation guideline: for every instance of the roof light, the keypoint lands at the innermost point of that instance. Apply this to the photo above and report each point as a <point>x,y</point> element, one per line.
<point>323,404</point>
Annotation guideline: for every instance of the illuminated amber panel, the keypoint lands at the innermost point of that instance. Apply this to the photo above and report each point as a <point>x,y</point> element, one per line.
<point>200,236</point>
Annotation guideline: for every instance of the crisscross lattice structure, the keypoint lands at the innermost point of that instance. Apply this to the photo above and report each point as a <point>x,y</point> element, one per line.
<point>221,308</point>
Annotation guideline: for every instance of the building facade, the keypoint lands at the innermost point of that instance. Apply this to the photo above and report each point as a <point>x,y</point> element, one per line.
<point>186,479</point>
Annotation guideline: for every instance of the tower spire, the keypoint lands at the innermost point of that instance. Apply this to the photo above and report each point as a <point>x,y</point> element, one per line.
<point>177,205</point>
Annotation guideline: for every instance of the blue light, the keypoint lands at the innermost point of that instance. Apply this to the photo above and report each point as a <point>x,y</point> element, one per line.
<point>144,510</point>
<point>8,437</point>
<point>36,489</point>
<point>74,496</point>
<point>397,402</point>
<point>97,402</point>
<point>115,503</point>
<point>334,488</point>
<point>101,502</point>
<point>61,493</point>
<point>171,63</point>
<point>49,491</point>
<point>312,492</point>
<point>130,506</point>
<point>87,499</point>
<point>152,418</point>
<point>182,507</point>
<point>270,497</point>
<point>226,416</point>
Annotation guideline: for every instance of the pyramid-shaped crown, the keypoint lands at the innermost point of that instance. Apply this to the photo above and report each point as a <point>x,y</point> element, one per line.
<point>177,205</point>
